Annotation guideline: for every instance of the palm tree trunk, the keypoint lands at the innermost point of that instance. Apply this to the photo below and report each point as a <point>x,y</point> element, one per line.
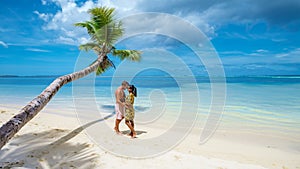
<point>10,128</point>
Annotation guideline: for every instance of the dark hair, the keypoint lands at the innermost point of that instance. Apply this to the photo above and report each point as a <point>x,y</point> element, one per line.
<point>133,89</point>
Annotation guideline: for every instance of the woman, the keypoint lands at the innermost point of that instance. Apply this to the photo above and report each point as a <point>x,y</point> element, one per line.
<point>129,110</point>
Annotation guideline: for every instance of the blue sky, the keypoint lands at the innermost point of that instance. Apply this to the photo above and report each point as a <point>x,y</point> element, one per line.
<point>252,37</point>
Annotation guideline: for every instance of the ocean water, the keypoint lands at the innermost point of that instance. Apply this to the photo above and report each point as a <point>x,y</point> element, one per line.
<point>254,104</point>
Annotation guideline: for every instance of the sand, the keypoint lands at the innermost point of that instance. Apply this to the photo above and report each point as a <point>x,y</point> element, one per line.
<point>55,139</point>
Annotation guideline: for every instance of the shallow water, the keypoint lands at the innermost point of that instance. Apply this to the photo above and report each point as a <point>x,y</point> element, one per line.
<point>256,104</point>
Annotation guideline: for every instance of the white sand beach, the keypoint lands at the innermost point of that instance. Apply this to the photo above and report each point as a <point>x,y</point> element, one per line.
<point>55,139</point>
<point>210,84</point>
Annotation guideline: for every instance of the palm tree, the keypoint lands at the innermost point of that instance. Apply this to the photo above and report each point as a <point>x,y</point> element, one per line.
<point>104,31</point>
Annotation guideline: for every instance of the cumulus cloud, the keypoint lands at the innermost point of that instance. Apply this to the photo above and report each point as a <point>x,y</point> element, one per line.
<point>63,21</point>
<point>43,16</point>
<point>71,12</point>
<point>201,23</point>
<point>219,12</point>
<point>207,15</point>
<point>175,6</point>
<point>3,44</point>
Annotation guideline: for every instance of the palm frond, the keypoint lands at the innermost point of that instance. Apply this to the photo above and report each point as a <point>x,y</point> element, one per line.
<point>80,24</point>
<point>88,25</point>
<point>90,46</point>
<point>102,15</point>
<point>102,27</point>
<point>91,27</point>
<point>112,63</point>
<point>104,65</point>
<point>104,31</point>
<point>133,55</point>
<point>109,34</point>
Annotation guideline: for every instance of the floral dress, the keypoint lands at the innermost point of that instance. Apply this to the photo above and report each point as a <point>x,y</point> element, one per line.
<point>129,112</point>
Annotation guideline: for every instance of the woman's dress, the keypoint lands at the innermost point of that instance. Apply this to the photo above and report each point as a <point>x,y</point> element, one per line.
<point>129,112</point>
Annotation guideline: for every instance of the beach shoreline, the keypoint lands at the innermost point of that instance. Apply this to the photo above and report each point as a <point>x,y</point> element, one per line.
<point>225,149</point>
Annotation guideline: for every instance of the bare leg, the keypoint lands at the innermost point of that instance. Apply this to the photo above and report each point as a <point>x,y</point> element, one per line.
<point>132,123</point>
<point>134,133</point>
<point>131,129</point>
<point>118,121</point>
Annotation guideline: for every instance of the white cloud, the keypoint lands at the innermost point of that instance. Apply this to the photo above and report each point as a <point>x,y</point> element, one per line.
<point>226,12</point>
<point>278,40</point>
<point>44,2</point>
<point>218,12</point>
<point>43,16</point>
<point>201,23</point>
<point>71,12</point>
<point>261,56</point>
<point>262,51</point>
<point>63,21</point>
<point>235,35</point>
<point>231,53</point>
<point>207,15</point>
<point>36,50</point>
<point>66,40</point>
<point>292,56</point>
<point>123,8</point>
<point>166,25</point>
<point>3,44</point>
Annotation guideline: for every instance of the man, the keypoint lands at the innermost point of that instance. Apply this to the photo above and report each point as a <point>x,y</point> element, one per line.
<point>120,105</point>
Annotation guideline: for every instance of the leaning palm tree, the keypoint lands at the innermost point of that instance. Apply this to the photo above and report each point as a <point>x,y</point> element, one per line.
<point>104,31</point>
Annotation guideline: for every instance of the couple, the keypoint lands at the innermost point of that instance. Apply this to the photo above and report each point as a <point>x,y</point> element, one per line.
<point>124,107</point>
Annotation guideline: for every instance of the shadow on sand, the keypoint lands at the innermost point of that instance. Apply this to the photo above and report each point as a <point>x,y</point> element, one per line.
<point>138,132</point>
<point>44,150</point>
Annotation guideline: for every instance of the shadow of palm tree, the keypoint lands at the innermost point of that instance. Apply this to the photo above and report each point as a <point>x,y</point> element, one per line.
<point>42,150</point>
<point>78,130</point>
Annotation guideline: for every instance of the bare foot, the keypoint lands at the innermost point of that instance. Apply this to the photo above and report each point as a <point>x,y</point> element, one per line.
<point>117,131</point>
<point>133,135</point>
<point>129,134</point>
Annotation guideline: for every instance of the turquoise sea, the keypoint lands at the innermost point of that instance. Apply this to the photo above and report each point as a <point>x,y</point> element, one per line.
<point>254,104</point>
